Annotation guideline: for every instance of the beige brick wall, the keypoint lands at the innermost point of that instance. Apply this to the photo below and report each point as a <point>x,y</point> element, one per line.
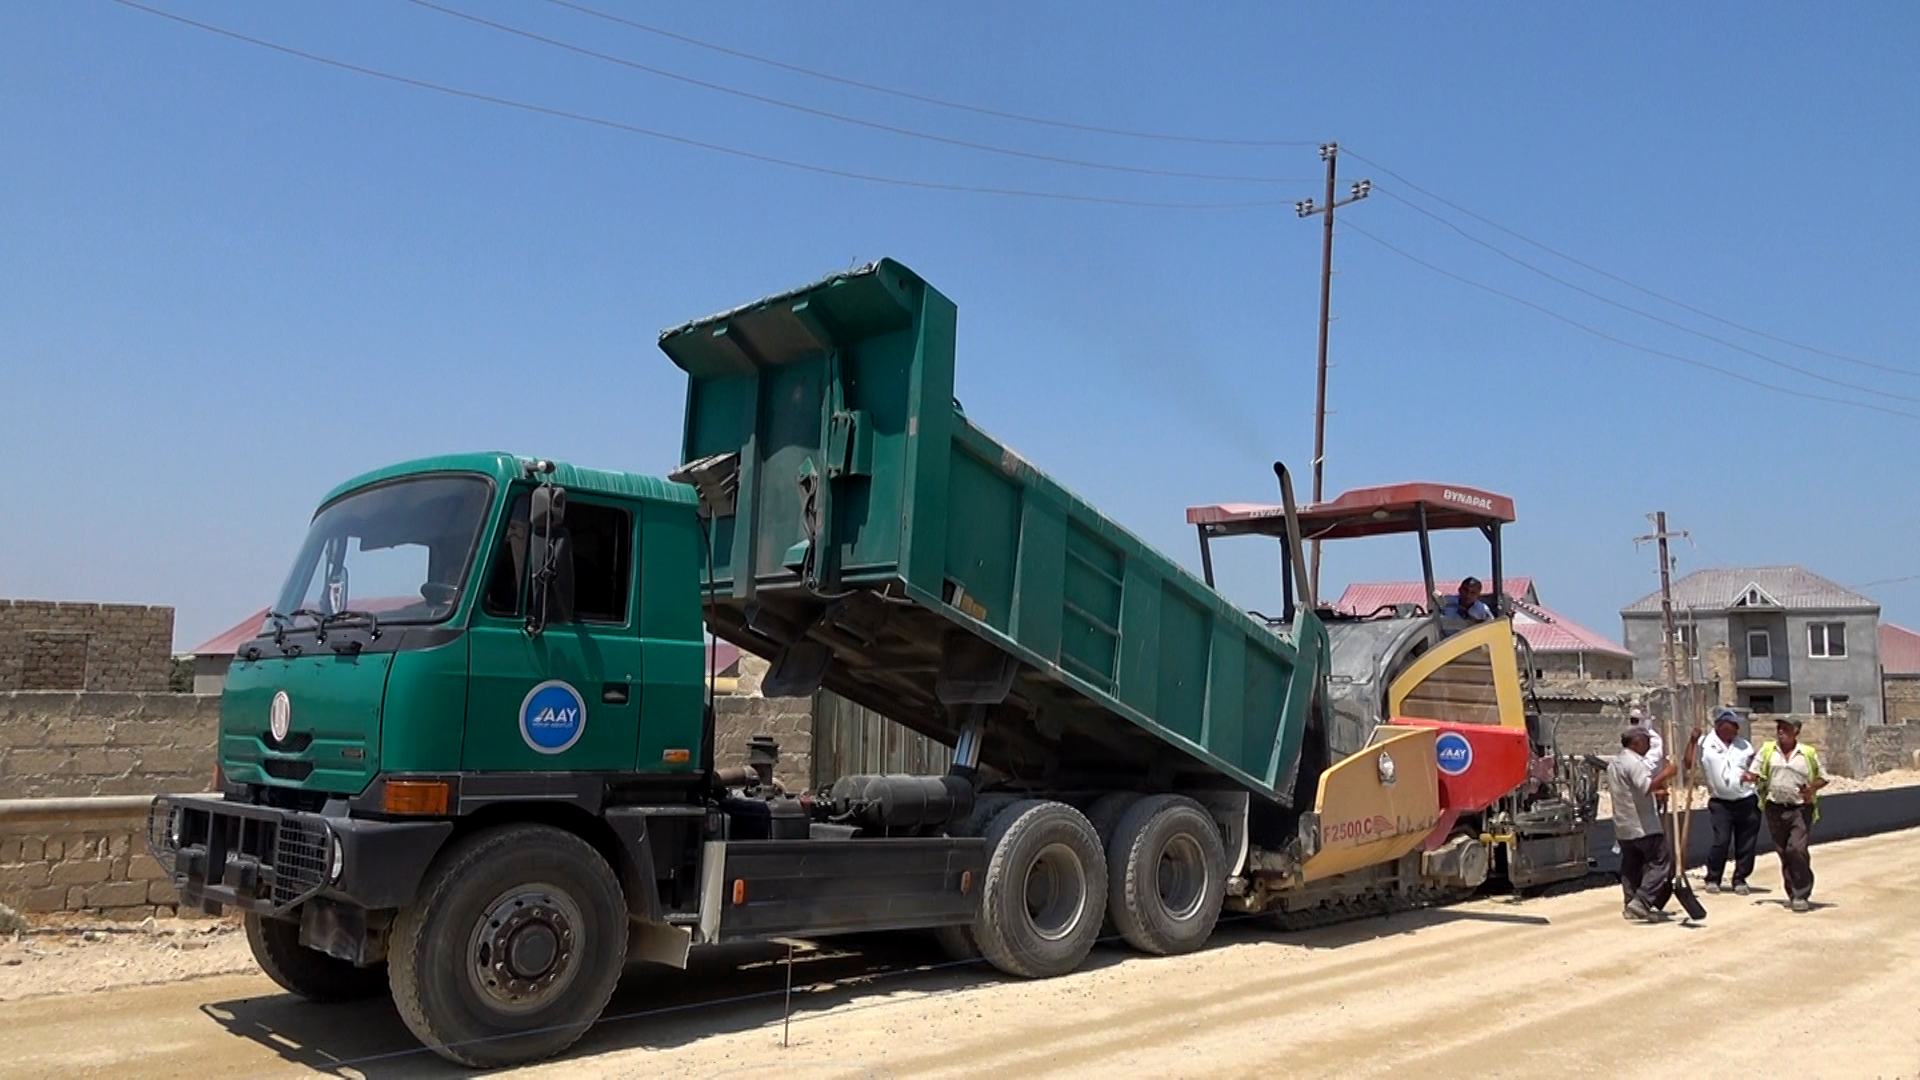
<point>790,722</point>
<point>96,863</point>
<point>56,744</point>
<point>49,645</point>
<point>1902,696</point>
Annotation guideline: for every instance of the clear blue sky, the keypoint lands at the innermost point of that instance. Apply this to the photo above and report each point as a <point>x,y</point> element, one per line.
<point>230,278</point>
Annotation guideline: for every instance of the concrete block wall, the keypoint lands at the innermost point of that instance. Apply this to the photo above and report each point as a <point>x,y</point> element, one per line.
<point>738,718</point>
<point>50,645</point>
<point>56,744</point>
<point>1902,698</point>
<point>1848,745</point>
<point>96,863</point>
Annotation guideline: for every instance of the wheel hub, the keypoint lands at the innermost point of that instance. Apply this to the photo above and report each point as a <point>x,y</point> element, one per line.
<point>521,954</point>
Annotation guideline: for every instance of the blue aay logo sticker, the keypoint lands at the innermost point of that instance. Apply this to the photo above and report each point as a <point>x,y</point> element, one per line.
<point>552,717</point>
<point>1454,751</point>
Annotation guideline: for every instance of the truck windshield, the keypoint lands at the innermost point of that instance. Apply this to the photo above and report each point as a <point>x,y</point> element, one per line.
<point>398,553</point>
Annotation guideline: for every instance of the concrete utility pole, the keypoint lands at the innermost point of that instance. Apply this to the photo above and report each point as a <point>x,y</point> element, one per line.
<point>1306,208</point>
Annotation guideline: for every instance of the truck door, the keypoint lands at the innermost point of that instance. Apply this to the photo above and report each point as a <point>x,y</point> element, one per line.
<point>565,699</point>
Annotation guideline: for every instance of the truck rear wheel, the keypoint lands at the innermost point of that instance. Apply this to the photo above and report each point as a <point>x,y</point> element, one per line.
<point>1045,889</point>
<point>1167,875</point>
<point>308,972</point>
<point>512,949</point>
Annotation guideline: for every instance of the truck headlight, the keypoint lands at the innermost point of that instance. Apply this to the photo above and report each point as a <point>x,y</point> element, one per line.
<point>336,859</point>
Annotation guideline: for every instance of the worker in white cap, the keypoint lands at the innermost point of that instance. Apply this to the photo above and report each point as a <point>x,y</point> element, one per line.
<point>1657,751</point>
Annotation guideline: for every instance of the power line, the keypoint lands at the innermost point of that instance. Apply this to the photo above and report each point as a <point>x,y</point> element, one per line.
<point>924,99</point>
<point>634,129</point>
<point>1663,321</point>
<point>1886,581</point>
<point>1663,298</point>
<point>842,118</point>
<point>1603,335</point>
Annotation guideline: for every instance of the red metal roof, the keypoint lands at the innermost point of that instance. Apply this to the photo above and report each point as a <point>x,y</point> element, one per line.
<point>228,642</point>
<point>1555,633</point>
<point>1366,598</point>
<point>1899,650</point>
<point>1368,512</point>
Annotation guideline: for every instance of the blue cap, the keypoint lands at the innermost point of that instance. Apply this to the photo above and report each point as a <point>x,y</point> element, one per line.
<point>1724,713</point>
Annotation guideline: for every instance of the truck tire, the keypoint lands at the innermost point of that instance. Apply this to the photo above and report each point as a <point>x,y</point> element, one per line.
<point>1045,890</point>
<point>512,949</point>
<point>1167,874</point>
<point>308,972</point>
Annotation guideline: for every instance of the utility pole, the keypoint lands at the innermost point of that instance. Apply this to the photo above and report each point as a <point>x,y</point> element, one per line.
<point>1306,208</point>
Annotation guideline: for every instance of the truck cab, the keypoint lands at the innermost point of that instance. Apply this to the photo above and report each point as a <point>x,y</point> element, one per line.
<point>431,631</point>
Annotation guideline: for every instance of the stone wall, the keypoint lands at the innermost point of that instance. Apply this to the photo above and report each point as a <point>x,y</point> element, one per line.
<point>45,645</point>
<point>56,744</point>
<point>742,715</point>
<point>1849,745</point>
<point>1902,694</point>
<point>89,860</point>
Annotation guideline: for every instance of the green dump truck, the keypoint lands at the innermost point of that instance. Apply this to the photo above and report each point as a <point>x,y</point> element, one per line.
<point>469,758</point>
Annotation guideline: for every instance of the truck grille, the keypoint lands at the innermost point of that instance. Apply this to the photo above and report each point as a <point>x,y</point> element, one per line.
<point>160,818</point>
<point>299,860</point>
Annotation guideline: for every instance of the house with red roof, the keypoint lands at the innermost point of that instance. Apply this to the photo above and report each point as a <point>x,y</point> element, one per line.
<point>1900,673</point>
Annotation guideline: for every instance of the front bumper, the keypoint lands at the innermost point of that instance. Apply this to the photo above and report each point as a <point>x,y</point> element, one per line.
<point>269,861</point>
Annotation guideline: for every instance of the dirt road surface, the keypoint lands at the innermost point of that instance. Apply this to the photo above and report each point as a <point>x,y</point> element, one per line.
<point>1497,987</point>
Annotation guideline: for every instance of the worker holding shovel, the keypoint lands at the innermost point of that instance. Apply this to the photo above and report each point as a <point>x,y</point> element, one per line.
<point>1646,858</point>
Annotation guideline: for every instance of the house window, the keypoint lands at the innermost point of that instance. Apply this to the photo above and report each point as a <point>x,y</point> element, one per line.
<point>1687,638</point>
<point>1827,640</point>
<point>1823,703</point>
<point>1760,703</point>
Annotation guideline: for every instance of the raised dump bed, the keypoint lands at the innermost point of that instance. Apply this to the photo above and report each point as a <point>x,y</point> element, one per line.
<point>868,538</point>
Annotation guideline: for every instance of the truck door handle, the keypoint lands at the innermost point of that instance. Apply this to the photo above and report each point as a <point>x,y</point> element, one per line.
<point>613,693</point>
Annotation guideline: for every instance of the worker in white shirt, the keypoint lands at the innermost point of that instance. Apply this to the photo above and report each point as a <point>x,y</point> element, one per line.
<point>1787,774</point>
<point>1732,803</point>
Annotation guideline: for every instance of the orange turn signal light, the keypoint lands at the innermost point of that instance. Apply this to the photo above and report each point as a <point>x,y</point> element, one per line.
<point>416,797</point>
<point>677,756</point>
<point>739,891</point>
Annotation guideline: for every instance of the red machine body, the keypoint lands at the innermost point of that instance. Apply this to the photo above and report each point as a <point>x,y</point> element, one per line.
<point>1478,763</point>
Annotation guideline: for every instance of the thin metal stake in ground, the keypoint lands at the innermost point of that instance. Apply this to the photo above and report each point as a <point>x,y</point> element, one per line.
<point>786,1022</point>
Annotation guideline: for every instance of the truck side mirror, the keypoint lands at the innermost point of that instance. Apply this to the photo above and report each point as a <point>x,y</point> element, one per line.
<point>550,598</point>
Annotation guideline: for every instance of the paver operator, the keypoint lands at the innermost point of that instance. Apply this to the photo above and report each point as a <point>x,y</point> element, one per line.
<point>1466,604</point>
<point>1788,777</point>
<point>1733,805</point>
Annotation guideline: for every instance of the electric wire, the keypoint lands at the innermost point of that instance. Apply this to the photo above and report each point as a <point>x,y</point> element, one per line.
<point>1623,342</point>
<point>1663,298</point>
<point>843,118</point>
<point>1611,302</point>
<point>925,99</point>
<point>664,136</point>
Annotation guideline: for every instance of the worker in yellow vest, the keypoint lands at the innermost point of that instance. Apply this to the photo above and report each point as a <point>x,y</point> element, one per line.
<point>1787,774</point>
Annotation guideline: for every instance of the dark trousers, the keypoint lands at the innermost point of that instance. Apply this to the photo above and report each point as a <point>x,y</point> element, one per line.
<point>1646,870</point>
<point>1790,826</point>
<point>1736,830</point>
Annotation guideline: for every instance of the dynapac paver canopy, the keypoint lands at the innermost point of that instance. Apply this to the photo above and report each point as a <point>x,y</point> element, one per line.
<point>1422,508</point>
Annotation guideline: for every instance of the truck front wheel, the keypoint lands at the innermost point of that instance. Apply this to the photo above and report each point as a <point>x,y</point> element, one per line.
<point>512,949</point>
<point>1045,890</point>
<point>309,973</point>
